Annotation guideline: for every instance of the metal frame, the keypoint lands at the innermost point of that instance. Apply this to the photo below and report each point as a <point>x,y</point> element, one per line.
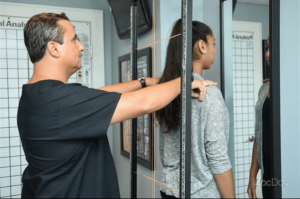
<point>186,76</point>
<point>274,6</point>
<point>133,143</point>
<point>144,52</point>
<point>275,92</point>
<point>185,99</point>
<point>222,49</point>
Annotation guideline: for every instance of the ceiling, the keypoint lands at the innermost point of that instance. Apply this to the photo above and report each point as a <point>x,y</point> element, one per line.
<point>261,2</point>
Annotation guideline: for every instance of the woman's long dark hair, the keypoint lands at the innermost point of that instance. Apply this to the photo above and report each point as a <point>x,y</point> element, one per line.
<point>170,115</point>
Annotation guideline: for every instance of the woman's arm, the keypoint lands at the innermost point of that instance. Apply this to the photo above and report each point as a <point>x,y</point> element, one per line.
<point>225,184</point>
<point>253,173</point>
<point>216,142</point>
<point>129,86</point>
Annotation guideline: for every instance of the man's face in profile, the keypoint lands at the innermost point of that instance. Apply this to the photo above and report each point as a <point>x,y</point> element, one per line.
<point>70,50</point>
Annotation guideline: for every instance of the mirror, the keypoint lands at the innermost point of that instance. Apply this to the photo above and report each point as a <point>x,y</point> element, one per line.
<point>250,27</point>
<point>164,13</point>
<point>250,31</point>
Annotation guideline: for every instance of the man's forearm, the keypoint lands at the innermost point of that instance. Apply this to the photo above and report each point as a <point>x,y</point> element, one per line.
<point>123,87</point>
<point>161,94</point>
<point>148,100</point>
<point>129,86</point>
<point>138,103</point>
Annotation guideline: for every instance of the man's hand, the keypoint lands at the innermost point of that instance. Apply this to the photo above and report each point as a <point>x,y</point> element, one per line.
<point>201,86</point>
<point>251,188</point>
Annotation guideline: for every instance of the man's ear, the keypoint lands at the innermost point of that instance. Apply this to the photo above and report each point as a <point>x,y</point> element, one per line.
<point>52,48</point>
<point>202,46</point>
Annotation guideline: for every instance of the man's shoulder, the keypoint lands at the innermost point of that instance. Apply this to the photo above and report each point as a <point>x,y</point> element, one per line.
<point>50,91</point>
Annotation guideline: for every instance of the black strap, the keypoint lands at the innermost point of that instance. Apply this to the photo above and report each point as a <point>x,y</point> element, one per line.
<point>143,82</point>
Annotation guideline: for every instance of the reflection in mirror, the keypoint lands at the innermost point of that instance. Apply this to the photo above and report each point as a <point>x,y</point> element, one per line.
<point>251,105</point>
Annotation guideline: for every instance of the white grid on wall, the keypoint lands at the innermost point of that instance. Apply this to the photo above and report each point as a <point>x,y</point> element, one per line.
<point>14,72</point>
<point>244,106</point>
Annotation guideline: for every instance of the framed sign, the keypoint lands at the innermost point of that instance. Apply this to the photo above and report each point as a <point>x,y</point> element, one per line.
<point>144,123</point>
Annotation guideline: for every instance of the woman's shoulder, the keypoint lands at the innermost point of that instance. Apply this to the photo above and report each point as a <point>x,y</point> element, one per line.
<point>265,87</point>
<point>213,98</point>
<point>264,90</point>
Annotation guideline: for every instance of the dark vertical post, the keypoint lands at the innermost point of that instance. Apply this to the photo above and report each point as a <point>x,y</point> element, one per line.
<point>186,78</point>
<point>222,49</point>
<point>275,92</point>
<point>133,58</point>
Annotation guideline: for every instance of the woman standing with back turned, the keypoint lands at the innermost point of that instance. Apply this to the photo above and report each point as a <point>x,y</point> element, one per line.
<point>211,175</point>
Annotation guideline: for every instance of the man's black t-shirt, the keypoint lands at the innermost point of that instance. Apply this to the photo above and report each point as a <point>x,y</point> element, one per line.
<point>63,132</point>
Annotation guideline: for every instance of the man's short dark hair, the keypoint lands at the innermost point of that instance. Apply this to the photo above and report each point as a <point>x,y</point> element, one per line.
<point>39,30</point>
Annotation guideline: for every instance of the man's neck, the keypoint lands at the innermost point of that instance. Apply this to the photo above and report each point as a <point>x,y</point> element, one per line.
<point>46,72</point>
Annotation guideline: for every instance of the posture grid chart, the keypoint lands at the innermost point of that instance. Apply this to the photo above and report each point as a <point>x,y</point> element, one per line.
<point>243,73</point>
<point>15,70</point>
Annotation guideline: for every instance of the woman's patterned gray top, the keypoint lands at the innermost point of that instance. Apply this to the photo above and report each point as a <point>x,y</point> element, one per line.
<point>210,132</point>
<point>262,94</point>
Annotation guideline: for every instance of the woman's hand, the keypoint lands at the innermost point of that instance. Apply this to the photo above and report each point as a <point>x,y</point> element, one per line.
<point>252,188</point>
<point>201,86</point>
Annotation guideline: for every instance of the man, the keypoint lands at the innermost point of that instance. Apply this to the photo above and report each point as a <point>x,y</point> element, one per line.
<point>63,126</point>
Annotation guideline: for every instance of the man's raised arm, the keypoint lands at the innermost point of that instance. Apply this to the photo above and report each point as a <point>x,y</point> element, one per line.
<point>150,99</point>
<point>129,86</point>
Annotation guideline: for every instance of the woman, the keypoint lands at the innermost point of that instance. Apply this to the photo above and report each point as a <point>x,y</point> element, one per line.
<point>261,155</point>
<point>211,169</point>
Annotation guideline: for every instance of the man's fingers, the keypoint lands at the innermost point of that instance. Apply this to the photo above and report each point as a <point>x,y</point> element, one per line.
<point>203,93</point>
<point>202,90</point>
<point>195,95</point>
<point>201,86</point>
<point>209,83</point>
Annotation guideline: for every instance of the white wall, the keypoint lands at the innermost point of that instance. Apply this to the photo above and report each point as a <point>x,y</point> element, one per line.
<point>290,98</point>
<point>228,76</point>
<point>211,17</point>
<point>253,13</point>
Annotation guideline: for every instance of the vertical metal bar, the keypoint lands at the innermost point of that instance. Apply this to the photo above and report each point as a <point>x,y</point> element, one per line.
<point>133,58</point>
<point>275,92</point>
<point>186,77</point>
<point>222,49</point>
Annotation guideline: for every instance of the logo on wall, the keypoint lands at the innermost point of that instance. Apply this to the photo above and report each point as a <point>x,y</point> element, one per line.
<point>15,23</point>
